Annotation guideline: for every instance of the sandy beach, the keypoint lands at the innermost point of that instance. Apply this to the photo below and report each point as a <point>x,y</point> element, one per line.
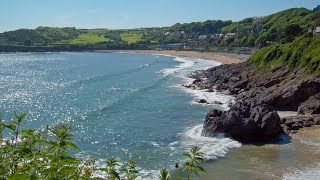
<point>225,58</point>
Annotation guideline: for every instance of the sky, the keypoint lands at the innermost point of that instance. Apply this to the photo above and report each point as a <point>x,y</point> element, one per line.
<point>119,14</point>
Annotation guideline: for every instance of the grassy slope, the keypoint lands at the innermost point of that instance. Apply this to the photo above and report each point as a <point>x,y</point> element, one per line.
<point>131,37</point>
<point>85,38</point>
<point>304,52</point>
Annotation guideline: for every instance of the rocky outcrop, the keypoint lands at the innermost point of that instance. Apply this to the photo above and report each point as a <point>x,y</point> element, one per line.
<point>278,88</point>
<point>245,121</point>
<point>294,123</point>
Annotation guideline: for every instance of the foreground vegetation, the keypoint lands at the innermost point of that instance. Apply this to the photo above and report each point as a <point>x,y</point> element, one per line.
<point>44,154</point>
<point>249,32</point>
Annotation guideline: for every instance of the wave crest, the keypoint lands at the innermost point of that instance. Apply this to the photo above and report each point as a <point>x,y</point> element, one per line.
<point>213,147</point>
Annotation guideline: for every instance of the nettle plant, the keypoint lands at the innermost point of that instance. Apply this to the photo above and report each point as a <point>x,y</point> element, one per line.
<point>44,154</point>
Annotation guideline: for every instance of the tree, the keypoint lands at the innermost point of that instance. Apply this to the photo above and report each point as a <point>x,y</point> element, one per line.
<point>291,31</point>
<point>195,158</point>
<point>27,42</point>
<point>317,21</point>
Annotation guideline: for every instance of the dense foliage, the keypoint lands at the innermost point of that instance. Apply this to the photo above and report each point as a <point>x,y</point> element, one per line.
<point>44,154</point>
<point>303,52</point>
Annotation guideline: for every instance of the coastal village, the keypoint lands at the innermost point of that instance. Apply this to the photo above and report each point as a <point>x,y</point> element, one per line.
<point>197,38</point>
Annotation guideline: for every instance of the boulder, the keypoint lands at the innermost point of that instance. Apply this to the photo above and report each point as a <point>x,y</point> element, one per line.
<point>202,101</point>
<point>245,121</point>
<point>310,106</point>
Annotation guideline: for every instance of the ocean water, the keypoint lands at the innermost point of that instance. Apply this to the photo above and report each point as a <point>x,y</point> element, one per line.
<point>131,106</point>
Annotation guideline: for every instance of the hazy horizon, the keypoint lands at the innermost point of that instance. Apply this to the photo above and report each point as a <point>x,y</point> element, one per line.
<point>15,14</point>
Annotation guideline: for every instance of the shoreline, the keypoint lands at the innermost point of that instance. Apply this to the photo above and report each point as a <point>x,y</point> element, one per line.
<point>224,58</point>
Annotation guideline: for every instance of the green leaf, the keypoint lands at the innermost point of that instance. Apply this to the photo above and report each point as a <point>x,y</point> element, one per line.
<point>21,117</point>
<point>187,155</point>
<point>11,126</point>
<point>72,145</point>
<point>103,169</point>
<point>199,168</point>
<point>115,174</point>
<point>29,133</point>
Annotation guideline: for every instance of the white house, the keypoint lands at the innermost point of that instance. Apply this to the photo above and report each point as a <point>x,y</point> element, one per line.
<point>316,31</point>
<point>230,35</point>
<point>217,36</point>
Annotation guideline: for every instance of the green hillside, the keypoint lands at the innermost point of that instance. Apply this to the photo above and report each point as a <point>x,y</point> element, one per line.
<point>269,28</point>
<point>304,52</point>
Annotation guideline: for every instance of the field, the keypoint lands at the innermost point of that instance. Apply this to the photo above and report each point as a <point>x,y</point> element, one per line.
<point>86,37</point>
<point>131,37</point>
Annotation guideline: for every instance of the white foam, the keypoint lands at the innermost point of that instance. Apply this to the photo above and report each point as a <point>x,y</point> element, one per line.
<point>213,147</point>
<point>307,174</point>
<point>144,65</point>
<point>210,97</point>
<point>187,67</point>
<point>184,63</point>
<point>142,175</point>
<point>155,144</point>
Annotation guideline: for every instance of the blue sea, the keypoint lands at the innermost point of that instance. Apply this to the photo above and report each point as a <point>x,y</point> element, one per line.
<point>134,106</point>
<point>130,106</point>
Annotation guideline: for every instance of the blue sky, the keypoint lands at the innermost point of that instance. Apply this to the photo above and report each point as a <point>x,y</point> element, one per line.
<point>115,14</point>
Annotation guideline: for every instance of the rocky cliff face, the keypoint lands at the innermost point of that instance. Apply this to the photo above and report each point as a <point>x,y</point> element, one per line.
<point>259,92</point>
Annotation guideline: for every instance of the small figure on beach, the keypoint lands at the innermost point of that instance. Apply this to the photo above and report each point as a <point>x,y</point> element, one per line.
<point>177,165</point>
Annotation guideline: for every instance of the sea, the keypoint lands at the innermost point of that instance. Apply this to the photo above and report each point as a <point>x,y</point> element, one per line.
<point>135,106</point>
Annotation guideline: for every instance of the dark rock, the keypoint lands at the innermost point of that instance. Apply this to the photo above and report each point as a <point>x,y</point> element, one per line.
<point>196,81</point>
<point>297,122</point>
<point>245,121</point>
<point>202,101</point>
<point>191,86</point>
<point>217,102</point>
<point>210,90</point>
<point>310,106</point>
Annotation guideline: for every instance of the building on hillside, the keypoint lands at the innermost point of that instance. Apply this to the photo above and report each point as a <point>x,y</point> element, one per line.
<point>202,37</point>
<point>179,33</point>
<point>217,36</point>
<point>317,8</point>
<point>168,33</point>
<point>257,18</point>
<point>316,31</point>
<point>310,30</point>
<point>230,35</point>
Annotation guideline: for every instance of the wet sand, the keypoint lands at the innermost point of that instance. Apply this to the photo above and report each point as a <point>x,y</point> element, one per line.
<point>292,158</point>
<point>225,58</point>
